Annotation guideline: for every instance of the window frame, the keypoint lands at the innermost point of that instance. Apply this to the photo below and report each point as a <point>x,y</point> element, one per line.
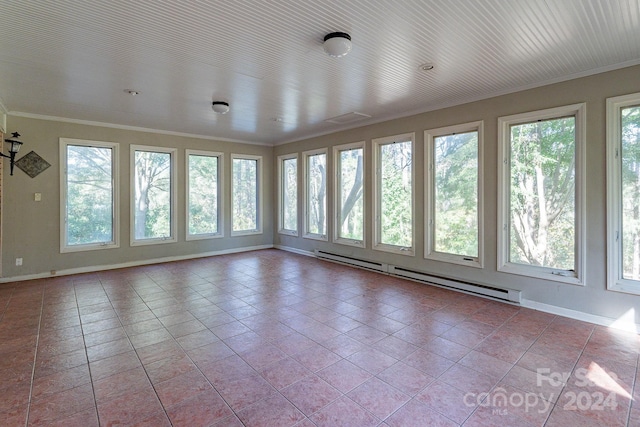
<point>305,158</point>
<point>429,196</point>
<point>173,212</point>
<point>259,195</point>
<point>115,182</point>
<point>377,144</point>
<point>220,195</point>
<point>281,160</point>
<point>504,182</point>
<point>337,150</point>
<point>615,274</point>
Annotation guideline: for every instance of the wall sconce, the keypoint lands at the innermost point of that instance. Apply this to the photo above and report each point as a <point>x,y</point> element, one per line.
<point>14,147</point>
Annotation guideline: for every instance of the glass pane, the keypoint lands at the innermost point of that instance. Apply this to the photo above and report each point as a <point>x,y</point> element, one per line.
<point>630,196</point>
<point>203,194</point>
<point>395,194</point>
<point>350,209</point>
<point>456,194</point>
<point>89,195</point>
<point>152,174</point>
<point>290,194</point>
<point>542,204</point>
<point>317,190</point>
<point>245,194</point>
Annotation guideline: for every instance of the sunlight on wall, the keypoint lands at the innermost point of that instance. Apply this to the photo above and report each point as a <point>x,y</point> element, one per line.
<point>627,322</point>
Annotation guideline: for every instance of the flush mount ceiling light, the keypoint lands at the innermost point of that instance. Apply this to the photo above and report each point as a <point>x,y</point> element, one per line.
<point>220,107</point>
<point>132,92</point>
<point>337,44</point>
<point>427,66</point>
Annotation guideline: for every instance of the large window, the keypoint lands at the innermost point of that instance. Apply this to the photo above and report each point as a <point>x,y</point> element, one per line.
<point>623,193</point>
<point>246,197</point>
<point>394,194</point>
<point>153,188</point>
<point>349,194</point>
<point>541,194</point>
<point>89,202</point>
<point>454,194</point>
<point>288,194</point>
<point>204,191</point>
<point>315,184</point>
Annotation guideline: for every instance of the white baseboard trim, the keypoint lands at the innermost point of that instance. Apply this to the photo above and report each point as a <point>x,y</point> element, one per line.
<point>94,268</point>
<point>628,325</point>
<point>295,251</point>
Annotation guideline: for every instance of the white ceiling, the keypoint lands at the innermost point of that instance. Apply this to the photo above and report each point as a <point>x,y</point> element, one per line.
<point>75,58</point>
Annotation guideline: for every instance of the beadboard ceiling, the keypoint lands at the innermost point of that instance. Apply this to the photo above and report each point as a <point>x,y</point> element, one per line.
<point>74,59</point>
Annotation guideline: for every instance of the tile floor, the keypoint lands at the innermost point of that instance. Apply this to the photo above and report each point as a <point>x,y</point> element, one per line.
<point>270,338</point>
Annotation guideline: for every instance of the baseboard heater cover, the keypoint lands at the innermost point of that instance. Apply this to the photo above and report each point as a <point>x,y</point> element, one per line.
<point>510,295</point>
<point>342,259</point>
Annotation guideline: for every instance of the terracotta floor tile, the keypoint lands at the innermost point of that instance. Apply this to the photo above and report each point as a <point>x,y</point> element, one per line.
<point>284,372</point>
<point>310,394</point>
<point>378,397</point>
<point>280,339</point>
<point>203,409</point>
<point>273,411</point>
<point>181,387</point>
<point>344,375</point>
<point>343,412</point>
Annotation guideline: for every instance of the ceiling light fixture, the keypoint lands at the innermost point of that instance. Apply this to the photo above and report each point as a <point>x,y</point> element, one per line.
<point>427,66</point>
<point>337,44</point>
<point>220,107</point>
<point>132,92</point>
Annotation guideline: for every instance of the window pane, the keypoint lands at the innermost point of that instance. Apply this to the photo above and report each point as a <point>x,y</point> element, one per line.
<point>542,194</point>
<point>290,194</point>
<point>316,191</point>
<point>89,195</point>
<point>630,196</point>
<point>395,194</point>
<point>456,194</point>
<point>152,173</point>
<point>350,209</point>
<point>245,194</point>
<point>203,194</point>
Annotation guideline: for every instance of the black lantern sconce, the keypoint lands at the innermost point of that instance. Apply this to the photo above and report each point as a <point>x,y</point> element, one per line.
<point>14,147</point>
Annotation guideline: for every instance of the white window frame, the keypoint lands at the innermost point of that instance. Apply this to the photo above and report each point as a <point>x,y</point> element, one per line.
<point>173,211</point>
<point>615,279</point>
<point>575,277</point>
<point>115,173</point>
<point>305,160</point>
<point>429,171</point>
<point>377,230</point>
<point>281,229</point>
<point>259,194</point>
<point>337,195</point>
<point>220,195</point>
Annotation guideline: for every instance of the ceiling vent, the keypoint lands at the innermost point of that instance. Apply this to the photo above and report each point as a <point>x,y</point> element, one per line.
<point>348,118</point>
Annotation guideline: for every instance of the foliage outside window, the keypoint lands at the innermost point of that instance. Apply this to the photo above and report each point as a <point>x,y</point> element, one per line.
<point>349,227</point>
<point>541,195</point>
<point>203,195</point>
<point>153,189</point>
<point>454,198</point>
<point>89,178</point>
<point>316,195</point>
<point>246,199</point>
<point>288,194</point>
<point>394,227</point>
<point>623,195</point>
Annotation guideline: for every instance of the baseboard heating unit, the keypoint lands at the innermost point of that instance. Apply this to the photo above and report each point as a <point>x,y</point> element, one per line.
<point>369,265</point>
<point>510,295</point>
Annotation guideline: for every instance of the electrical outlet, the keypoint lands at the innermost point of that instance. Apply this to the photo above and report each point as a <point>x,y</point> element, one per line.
<point>37,197</point>
<point>18,262</point>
